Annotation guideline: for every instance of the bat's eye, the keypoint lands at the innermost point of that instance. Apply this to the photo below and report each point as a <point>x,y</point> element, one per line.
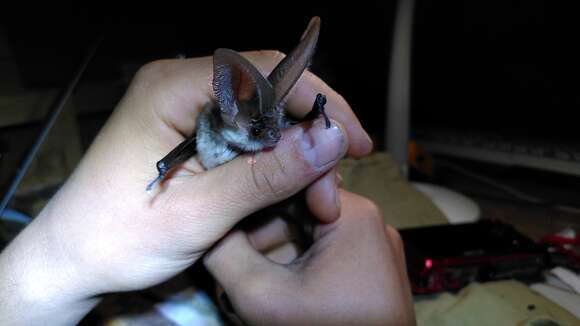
<point>273,135</point>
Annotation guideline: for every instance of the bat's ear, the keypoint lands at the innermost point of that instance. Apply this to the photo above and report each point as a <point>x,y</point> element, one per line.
<point>287,72</point>
<point>236,80</point>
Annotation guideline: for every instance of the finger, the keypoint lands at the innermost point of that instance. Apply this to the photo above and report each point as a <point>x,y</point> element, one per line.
<point>275,233</point>
<point>323,199</point>
<point>299,101</point>
<point>251,182</point>
<point>233,261</point>
<point>252,281</point>
<point>355,209</point>
<point>396,242</point>
<point>398,247</point>
<point>284,254</point>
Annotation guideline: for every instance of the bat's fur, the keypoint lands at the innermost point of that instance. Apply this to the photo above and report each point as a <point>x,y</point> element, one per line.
<point>218,143</point>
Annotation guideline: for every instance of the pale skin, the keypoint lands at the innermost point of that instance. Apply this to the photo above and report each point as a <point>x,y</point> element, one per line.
<point>103,233</point>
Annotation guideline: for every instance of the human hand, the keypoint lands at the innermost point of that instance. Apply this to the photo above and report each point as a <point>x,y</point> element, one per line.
<point>354,273</point>
<point>103,233</point>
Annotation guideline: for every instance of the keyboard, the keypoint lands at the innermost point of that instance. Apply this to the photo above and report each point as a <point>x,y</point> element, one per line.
<point>504,150</point>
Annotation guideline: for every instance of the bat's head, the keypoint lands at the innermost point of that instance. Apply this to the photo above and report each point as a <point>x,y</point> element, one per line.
<point>250,103</point>
<point>247,102</point>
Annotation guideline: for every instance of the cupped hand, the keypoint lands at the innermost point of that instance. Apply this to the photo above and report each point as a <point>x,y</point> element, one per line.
<point>354,273</point>
<point>103,233</point>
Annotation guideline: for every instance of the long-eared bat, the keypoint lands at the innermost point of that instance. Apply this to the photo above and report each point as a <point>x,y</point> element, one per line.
<point>248,113</point>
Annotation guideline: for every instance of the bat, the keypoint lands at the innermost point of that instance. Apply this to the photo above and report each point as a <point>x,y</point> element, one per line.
<point>248,114</point>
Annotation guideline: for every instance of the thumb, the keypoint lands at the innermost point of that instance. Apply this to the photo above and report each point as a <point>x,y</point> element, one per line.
<point>254,181</point>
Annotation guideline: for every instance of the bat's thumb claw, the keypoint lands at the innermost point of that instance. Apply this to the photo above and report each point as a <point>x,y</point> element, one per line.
<point>153,183</point>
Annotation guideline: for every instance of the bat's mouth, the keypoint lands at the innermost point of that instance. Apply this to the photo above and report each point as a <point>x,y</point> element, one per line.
<point>270,144</point>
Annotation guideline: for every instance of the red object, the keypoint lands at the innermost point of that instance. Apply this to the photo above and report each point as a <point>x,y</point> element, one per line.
<point>560,240</point>
<point>570,247</point>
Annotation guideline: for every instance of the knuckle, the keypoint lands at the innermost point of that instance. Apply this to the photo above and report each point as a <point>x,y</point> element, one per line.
<point>372,208</point>
<point>273,55</point>
<point>153,73</point>
<point>342,101</point>
<point>149,70</point>
<point>372,212</point>
<point>267,59</point>
<point>394,235</point>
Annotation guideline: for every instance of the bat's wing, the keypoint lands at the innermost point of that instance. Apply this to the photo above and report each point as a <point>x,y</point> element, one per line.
<point>236,80</point>
<point>286,74</point>
<point>178,155</point>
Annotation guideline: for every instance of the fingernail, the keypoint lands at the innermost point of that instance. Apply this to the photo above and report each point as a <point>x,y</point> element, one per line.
<point>323,146</point>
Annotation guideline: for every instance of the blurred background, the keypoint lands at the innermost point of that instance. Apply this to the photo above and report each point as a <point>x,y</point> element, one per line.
<point>493,84</point>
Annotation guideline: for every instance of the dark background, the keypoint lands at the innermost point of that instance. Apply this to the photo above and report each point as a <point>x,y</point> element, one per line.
<point>510,64</point>
<point>49,43</point>
<point>506,66</point>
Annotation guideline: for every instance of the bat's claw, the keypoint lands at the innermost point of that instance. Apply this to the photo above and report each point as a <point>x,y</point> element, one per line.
<point>318,110</point>
<point>153,183</point>
<point>319,103</point>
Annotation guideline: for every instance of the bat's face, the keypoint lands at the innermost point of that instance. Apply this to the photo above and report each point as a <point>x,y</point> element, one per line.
<point>252,131</point>
<point>249,102</point>
<point>265,130</point>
